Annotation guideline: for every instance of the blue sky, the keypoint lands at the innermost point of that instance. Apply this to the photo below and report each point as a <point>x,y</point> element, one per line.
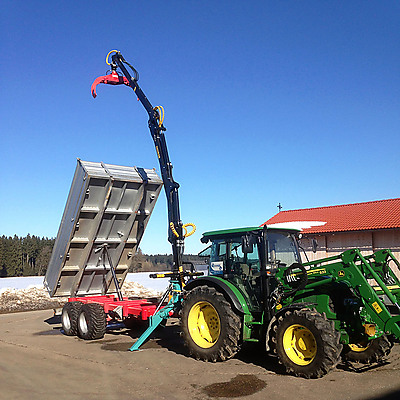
<point>294,102</point>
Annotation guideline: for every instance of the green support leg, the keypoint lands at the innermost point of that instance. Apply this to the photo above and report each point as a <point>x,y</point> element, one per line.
<point>155,320</point>
<point>161,315</point>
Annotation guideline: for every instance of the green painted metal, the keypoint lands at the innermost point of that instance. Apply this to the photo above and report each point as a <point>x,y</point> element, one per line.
<point>352,269</point>
<point>226,232</point>
<point>248,328</point>
<point>234,231</point>
<point>237,293</point>
<point>248,316</point>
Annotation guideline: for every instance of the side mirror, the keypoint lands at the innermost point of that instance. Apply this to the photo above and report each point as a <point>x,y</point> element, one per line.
<point>314,245</point>
<point>247,244</point>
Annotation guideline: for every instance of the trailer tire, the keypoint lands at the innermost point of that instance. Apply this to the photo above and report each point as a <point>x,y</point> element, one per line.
<point>92,321</point>
<point>306,343</point>
<point>211,329</point>
<point>69,317</point>
<point>376,350</point>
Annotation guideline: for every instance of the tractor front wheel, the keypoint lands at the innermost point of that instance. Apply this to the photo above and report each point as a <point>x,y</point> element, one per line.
<point>211,329</point>
<point>306,343</point>
<point>368,353</point>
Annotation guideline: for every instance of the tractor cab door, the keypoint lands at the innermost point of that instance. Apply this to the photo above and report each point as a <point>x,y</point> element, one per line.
<point>242,268</point>
<point>282,249</point>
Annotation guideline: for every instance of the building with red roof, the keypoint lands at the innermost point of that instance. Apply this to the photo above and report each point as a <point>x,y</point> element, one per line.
<point>368,226</point>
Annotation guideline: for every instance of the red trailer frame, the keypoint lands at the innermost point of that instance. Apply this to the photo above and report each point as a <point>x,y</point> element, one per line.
<point>140,309</point>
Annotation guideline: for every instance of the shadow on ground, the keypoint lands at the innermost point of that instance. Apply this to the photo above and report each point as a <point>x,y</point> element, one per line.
<point>169,338</point>
<point>388,396</point>
<point>54,320</point>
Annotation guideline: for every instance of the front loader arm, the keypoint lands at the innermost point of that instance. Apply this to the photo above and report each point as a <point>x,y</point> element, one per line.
<point>354,270</point>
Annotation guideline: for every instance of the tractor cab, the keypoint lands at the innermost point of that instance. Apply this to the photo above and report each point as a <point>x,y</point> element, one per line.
<point>246,256</point>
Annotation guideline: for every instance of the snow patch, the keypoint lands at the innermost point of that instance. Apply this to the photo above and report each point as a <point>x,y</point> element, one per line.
<point>36,297</point>
<point>297,224</point>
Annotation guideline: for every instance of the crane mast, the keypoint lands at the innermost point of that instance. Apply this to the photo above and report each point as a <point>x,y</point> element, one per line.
<point>171,187</point>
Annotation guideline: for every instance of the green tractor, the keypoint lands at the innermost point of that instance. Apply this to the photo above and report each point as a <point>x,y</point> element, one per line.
<point>309,315</point>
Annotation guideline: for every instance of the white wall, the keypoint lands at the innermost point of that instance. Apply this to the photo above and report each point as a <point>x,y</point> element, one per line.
<point>332,244</point>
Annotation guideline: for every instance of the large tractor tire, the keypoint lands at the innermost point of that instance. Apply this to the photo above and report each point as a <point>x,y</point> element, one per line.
<point>372,352</point>
<point>306,343</point>
<point>92,321</point>
<point>211,329</point>
<point>69,317</point>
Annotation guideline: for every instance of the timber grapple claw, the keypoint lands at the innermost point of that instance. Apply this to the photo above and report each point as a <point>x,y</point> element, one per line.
<point>111,79</point>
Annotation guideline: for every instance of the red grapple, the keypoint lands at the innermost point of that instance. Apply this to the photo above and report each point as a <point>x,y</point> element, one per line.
<point>110,79</point>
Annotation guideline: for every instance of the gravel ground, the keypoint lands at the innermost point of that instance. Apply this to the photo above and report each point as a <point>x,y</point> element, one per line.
<point>38,362</point>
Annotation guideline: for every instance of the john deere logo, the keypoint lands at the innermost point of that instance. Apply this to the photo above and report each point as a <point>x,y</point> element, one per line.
<point>341,274</point>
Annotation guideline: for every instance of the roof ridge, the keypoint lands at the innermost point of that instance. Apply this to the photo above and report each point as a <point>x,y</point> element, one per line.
<point>341,205</point>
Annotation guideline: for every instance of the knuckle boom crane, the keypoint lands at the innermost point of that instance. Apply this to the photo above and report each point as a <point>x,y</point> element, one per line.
<point>177,230</point>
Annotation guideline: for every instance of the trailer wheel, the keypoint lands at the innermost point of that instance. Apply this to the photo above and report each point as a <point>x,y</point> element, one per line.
<point>210,327</point>
<point>307,344</point>
<point>92,321</point>
<point>69,317</point>
<point>372,352</point>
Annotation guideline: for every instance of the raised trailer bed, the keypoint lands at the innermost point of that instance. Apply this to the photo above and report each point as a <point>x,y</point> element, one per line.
<point>107,211</point>
<point>106,214</point>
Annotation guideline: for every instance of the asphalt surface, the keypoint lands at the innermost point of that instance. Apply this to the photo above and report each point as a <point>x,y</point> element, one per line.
<point>38,362</point>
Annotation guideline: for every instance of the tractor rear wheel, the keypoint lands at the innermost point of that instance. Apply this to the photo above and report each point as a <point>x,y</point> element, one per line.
<point>306,343</point>
<point>211,329</point>
<point>92,321</point>
<point>69,317</point>
<point>368,353</point>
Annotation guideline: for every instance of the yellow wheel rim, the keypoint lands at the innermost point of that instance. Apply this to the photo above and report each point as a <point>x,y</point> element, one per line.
<point>299,344</point>
<point>204,324</point>
<point>359,347</point>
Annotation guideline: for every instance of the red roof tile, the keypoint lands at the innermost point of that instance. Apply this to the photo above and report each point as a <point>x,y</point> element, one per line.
<point>382,214</point>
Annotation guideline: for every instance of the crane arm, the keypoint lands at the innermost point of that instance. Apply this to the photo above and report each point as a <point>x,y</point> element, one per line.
<point>175,232</point>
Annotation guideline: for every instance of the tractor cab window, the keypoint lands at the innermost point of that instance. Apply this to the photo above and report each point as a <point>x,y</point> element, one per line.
<point>227,256</point>
<point>243,263</point>
<point>218,257</point>
<point>244,271</point>
<point>282,248</point>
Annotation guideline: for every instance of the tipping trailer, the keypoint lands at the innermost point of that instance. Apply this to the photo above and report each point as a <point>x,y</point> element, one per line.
<point>106,213</point>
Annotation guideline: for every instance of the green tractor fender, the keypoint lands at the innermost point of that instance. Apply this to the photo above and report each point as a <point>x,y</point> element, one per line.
<point>230,291</point>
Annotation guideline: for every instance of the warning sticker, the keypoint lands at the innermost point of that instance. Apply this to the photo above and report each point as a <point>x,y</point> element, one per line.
<point>377,308</point>
<point>319,271</point>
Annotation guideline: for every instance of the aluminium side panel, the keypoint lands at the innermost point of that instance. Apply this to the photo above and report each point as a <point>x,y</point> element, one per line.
<point>74,201</point>
<point>108,206</point>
